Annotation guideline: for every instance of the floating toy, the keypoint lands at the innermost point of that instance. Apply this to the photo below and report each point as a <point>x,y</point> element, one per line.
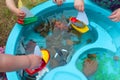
<point>29,18</point>
<point>45,58</point>
<point>78,25</point>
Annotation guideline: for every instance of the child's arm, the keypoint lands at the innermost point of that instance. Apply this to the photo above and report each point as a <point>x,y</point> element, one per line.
<point>79,5</point>
<point>12,63</point>
<point>11,5</point>
<point>115,16</point>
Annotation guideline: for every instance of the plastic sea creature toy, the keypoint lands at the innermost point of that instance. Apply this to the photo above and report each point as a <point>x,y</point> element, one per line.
<point>116,58</point>
<point>78,25</point>
<point>45,58</point>
<point>90,67</point>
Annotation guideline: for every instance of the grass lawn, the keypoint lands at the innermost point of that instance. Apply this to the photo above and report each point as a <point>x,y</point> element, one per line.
<point>7,21</point>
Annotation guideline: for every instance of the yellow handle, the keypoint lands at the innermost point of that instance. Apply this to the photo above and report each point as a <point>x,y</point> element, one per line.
<point>45,55</point>
<point>20,4</point>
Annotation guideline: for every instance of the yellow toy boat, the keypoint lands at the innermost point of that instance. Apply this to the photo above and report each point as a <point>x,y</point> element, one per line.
<point>78,25</point>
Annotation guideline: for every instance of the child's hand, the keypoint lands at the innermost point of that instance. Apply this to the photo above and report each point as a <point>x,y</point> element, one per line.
<point>79,5</point>
<point>58,2</point>
<point>115,16</point>
<point>20,13</point>
<point>34,61</point>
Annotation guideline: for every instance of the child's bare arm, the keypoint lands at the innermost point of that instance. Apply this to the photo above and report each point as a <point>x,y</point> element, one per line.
<point>11,5</point>
<point>79,5</point>
<point>12,63</point>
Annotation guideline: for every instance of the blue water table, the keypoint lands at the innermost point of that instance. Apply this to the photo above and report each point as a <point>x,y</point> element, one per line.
<point>103,32</point>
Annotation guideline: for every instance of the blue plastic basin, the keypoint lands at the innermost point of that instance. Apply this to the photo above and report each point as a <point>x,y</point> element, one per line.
<point>107,37</point>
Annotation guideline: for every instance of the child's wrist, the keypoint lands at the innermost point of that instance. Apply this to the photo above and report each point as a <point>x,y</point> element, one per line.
<point>29,61</point>
<point>14,9</point>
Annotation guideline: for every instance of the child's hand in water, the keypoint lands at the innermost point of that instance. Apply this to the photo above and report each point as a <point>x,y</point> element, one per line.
<point>34,61</point>
<point>115,16</point>
<point>79,5</point>
<point>58,2</point>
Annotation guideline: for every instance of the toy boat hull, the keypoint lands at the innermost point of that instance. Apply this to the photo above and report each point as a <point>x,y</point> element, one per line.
<point>82,29</point>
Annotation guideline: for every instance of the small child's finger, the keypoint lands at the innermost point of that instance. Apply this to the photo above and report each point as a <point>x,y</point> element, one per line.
<point>112,16</point>
<point>115,20</point>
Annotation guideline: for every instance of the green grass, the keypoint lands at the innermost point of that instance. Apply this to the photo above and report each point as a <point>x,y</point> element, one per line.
<point>7,21</point>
